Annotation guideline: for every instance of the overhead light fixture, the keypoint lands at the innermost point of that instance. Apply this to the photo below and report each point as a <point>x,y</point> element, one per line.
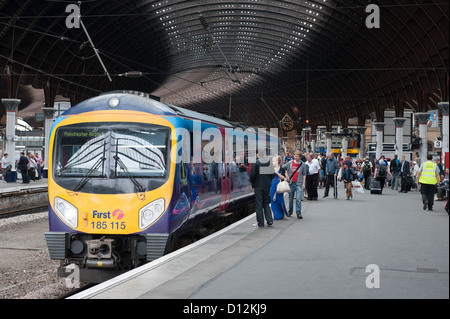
<point>132,74</point>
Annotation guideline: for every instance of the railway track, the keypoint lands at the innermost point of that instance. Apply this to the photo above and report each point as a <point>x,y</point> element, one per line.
<point>25,267</point>
<point>23,200</point>
<point>21,211</point>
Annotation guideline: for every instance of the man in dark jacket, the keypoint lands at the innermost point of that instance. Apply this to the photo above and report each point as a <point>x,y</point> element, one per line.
<point>405,174</point>
<point>395,171</point>
<point>23,166</point>
<point>331,170</point>
<point>261,179</point>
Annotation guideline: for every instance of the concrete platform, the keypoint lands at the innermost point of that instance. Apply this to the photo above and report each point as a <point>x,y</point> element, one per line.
<point>17,197</point>
<point>7,187</point>
<point>324,255</point>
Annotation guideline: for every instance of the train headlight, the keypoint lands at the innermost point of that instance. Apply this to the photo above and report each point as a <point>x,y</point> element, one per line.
<point>113,102</point>
<point>150,213</point>
<point>66,211</point>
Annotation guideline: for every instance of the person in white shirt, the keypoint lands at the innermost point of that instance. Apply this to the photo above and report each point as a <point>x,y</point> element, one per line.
<point>32,166</point>
<point>415,173</point>
<point>312,179</point>
<point>5,163</point>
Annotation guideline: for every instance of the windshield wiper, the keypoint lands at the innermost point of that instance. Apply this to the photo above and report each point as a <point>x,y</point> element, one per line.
<point>88,176</point>
<point>140,190</point>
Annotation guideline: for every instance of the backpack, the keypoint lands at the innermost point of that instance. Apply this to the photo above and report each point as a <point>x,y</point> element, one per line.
<point>395,166</point>
<point>366,166</point>
<point>382,171</point>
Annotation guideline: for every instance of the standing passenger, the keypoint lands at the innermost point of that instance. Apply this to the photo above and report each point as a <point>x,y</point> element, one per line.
<point>331,170</point>
<point>261,183</point>
<point>39,163</point>
<point>395,171</point>
<point>405,173</point>
<point>415,174</point>
<point>313,176</point>
<point>31,166</point>
<point>23,166</point>
<point>296,172</point>
<point>277,200</point>
<point>5,163</point>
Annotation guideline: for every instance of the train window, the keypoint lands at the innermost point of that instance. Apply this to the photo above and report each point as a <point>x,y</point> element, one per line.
<point>142,152</point>
<point>111,150</point>
<point>80,152</point>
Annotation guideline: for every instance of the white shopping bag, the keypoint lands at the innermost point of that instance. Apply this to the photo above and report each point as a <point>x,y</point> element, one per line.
<point>357,187</point>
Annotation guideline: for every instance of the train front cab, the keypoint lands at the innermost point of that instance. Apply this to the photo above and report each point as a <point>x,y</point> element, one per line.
<point>111,188</point>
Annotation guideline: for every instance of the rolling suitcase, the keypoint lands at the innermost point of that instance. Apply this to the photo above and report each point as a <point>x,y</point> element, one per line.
<point>376,187</point>
<point>409,182</point>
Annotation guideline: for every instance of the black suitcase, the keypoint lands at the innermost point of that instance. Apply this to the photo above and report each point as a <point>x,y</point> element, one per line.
<point>11,177</point>
<point>376,187</point>
<point>409,182</point>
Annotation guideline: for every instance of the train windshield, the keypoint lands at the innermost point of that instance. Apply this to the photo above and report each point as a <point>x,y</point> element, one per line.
<point>111,150</point>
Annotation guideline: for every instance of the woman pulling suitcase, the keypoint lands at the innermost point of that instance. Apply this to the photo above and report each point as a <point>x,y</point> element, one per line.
<point>379,177</point>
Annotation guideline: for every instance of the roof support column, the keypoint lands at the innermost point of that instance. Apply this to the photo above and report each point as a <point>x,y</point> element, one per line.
<point>422,118</point>
<point>306,139</point>
<point>399,123</point>
<point>285,140</point>
<point>49,93</point>
<point>379,126</point>
<point>344,146</point>
<point>298,136</point>
<point>444,108</point>
<point>12,106</point>
<point>328,136</point>
<point>362,143</point>
<point>313,142</point>
<point>298,141</point>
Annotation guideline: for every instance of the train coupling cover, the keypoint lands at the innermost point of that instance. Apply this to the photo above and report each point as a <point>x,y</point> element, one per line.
<point>100,253</point>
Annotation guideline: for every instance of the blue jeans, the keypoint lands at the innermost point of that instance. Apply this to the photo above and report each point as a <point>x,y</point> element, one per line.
<point>394,182</point>
<point>298,191</point>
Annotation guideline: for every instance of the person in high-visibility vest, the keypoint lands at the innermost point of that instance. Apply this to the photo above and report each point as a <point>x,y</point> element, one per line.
<point>428,180</point>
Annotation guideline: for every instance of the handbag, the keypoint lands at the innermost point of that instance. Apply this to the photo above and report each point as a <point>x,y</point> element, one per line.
<point>283,187</point>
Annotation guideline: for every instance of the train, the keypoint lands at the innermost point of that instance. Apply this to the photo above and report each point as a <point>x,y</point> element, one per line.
<point>128,175</point>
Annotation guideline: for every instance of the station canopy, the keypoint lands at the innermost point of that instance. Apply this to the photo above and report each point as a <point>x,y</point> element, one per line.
<point>253,61</point>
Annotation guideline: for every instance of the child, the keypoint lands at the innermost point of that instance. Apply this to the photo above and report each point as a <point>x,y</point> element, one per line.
<point>348,176</point>
<point>322,179</point>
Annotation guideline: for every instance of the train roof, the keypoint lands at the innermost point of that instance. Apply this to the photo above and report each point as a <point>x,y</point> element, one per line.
<point>144,102</point>
<point>122,101</point>
<point>200,116</point>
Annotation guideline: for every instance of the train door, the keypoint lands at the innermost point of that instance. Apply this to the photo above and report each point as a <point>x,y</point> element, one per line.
<point>225,174</point>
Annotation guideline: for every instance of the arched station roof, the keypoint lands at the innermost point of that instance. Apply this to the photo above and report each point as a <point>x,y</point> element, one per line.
<point>255,60</point>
